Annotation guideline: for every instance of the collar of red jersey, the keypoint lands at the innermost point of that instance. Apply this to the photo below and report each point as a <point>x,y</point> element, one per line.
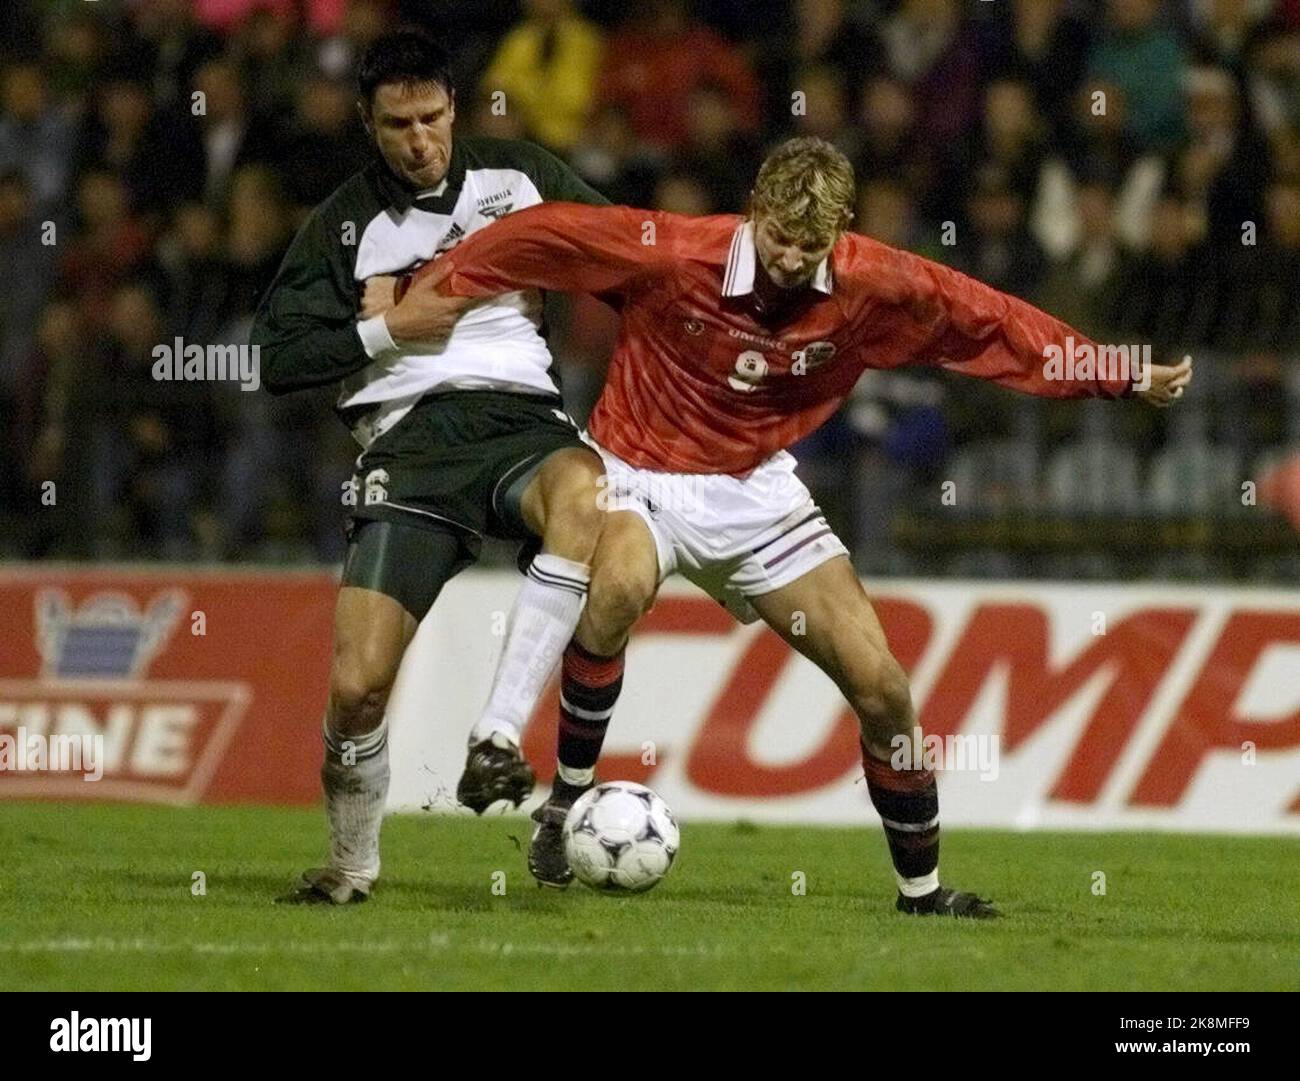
<point>738,277</point>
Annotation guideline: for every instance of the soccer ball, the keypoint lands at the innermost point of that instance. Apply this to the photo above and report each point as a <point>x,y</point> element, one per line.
<point>620,836</point>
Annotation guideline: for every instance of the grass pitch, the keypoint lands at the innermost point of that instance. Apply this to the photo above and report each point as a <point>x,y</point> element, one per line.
<point>102,897</point>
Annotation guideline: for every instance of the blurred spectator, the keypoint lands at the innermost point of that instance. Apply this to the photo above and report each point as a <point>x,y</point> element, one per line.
<point>931,48</point>
<point>1143,59</point>
<point>1223,165</point>
<point>1046,46</point>
<point>1262,311</point>
<point>338,54</point>
<point>111,243</point>
<point>825,110</point>
<point>168,47</point>
<point>682,193</point>
<point>887,212</point>
<point>651,68</point>
<point>323,143</point>
<point>1102,148</point>
<point>547,68</point>
<point>258,229</point>
<point>36,133</point>
<point>1224,30</point>
<point>891,144</point>
<point>996,246</point>
<point>832,34</point>
<point>1167,295</point>
<point>229,134</point>
<point>29,265</point>
<point>148,439</point>
<point>716,152</point>
<point>122,135</point>
<point>1009,139</point>
<point>52,395</point>
<point>323,16</point>
<point>200,293</point>
<point>1273,76</point>
<point>610,158</point>
<point>76,53</point>
<point>271,56</point>
<point>1081,288</point>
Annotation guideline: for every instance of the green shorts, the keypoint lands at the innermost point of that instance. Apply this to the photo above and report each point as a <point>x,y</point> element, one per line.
<point>450,462</point>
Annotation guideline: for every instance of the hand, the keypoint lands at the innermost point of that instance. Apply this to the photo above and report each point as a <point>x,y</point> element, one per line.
<point>1167,383</point>
<point>424,315</point>
<point>379,295</point>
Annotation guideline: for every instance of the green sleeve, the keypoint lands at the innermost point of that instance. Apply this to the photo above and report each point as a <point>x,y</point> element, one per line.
<point>306,326</point>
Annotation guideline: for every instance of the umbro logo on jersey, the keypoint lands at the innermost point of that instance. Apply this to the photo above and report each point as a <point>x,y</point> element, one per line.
<point>766,343</point>
<point>694,326</point>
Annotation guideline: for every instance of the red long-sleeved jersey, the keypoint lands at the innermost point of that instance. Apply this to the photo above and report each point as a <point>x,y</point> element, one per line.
<point>698,383</point>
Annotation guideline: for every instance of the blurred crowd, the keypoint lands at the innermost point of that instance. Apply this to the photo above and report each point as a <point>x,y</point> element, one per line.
<point>1131,165</point>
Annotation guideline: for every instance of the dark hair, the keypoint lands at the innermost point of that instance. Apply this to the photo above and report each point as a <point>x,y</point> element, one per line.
<point>408,56</point>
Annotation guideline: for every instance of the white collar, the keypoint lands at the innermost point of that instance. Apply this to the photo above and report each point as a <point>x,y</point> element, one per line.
<point>738,278</point>
<point>429,193</point>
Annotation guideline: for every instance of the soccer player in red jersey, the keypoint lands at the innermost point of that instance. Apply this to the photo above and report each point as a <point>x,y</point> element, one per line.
<point>738,337</point>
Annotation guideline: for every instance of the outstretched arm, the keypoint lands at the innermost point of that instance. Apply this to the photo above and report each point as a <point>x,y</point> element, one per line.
<point>977,330</point>
<point>566,247</point>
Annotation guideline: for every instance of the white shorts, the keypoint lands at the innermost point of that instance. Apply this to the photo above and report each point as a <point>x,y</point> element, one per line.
<point>733,537</point>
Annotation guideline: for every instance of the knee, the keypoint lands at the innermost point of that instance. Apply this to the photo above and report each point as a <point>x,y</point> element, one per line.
<point>882,697</point>
<point>618,599</point>
<point>574,511</point>
<point>581,514</point>
<point>359,689</point>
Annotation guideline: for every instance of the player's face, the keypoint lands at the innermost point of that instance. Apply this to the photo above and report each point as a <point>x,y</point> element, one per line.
<point>411,126</point>
<point>790,263</point>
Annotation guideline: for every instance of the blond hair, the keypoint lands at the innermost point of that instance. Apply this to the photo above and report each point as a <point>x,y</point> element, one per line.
<point>806,186</point>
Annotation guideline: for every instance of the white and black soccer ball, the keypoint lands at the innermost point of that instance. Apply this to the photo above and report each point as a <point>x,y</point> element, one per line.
<point>621,837</point>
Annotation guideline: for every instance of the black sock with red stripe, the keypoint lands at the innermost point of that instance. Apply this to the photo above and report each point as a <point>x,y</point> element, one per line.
<point>589,688</point>
<point>907,801</point>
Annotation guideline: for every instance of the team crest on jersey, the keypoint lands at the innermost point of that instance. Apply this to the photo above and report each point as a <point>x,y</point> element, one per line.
<point>497,205</point>
<point>813,355</point>
<point>694,326</point>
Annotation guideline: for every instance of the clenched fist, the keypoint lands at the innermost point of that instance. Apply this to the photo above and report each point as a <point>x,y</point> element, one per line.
<point>420,314</point>
<point>1167,383</point>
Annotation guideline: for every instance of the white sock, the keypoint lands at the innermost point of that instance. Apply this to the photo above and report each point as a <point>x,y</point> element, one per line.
<point>918,887</point>
<point>542,621</point>
<point>355,778</point>
<point>572,775</point>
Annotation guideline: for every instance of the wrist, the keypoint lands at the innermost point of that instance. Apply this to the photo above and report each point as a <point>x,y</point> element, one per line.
<point>376,335</point>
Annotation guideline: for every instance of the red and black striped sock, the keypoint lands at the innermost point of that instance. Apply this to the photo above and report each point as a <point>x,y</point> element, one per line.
<point>589,687</point>
<point>907,801</point>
